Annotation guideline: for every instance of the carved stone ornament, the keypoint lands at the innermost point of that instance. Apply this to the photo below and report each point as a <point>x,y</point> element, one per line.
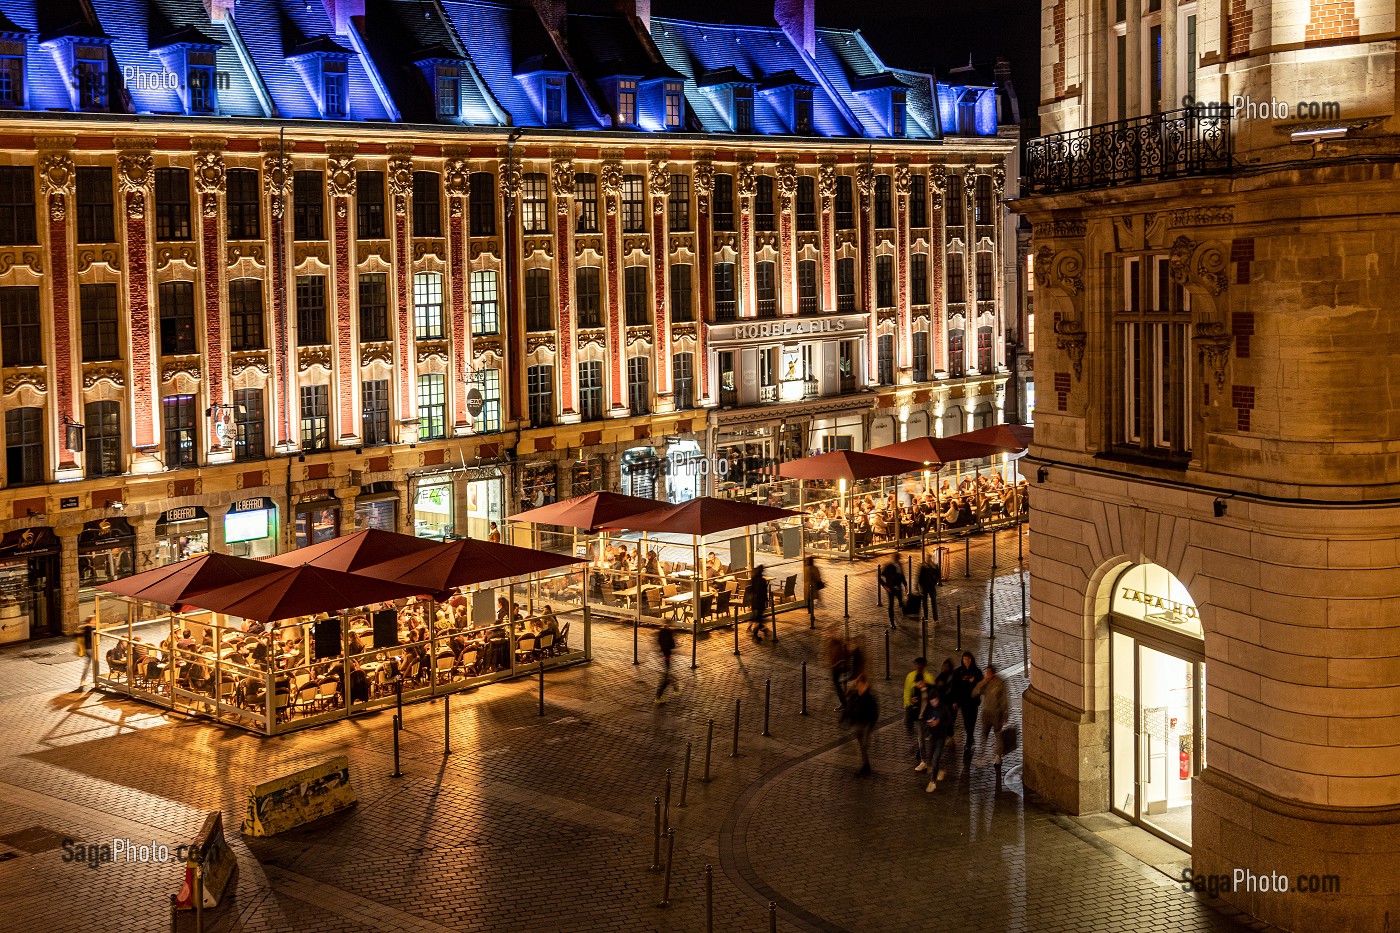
<point>319,251</point>
<point>134,175</point>
<point>561,173</point>
<point>1210,268</point>
<point>1179,260</point>
<point>1060,228</point>
<point>428,351</point>
<point>826,183</point>
<point>437,248</point>
<point>456,178</point>
<point>902,177</point>
<point>188,368</point>
<point>865,179</point>
<point>481,346</point>
<point>1202,216</point>
<point>970,196</point>
<point>30,379</point>
<point>659,180</point>
<point>33,259</point>
<point>376,353</point>
<point>638,335</point>
<point>787,183</point>
<point>340,176</point>
<point>56,181</point>
<point>252,251</point>
<point>1063,270</point>
<point>400,175</point>
<point>703,177</point>
<point>1213,348</point>
<point>480,248</point>
<point>998,181</point>
<point>540,244</point>
<point>512,179</point>
<point>113,374</point>
<point>165,255</point>
<point>277,179</point>
<point>683,331</point>
<point>308,357</point>
<point>596,337</point>
<point>209,172</point>
<point>938,184</point>
<point>240,363</point>
<point>1071,338</point>
<point>534,342</point>
<point>610,182</point>
<point>747,182</point>
<point>87,258</point>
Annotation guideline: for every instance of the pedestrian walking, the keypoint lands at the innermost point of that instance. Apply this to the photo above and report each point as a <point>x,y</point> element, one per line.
<point>893,582</point>
<point>758,602</point>
<point>86,647</point>
<point>815,585</point>
<point>863,711</point>
<point>964,683</point>
<point>912,682</point>
<point>935,725</point>
<point>666,641</point>
<point>930,576</point>
<point>991,690</point>
<point>836,660</point>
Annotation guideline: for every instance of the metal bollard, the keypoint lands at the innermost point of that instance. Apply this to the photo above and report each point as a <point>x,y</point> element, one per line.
<point>909,567</point>
<point>923,625</point>
<point>994,549</point>
<point>174,917</point>
<point>199,897</point>
<point>772,917</point>
<point>1020,541</point>
<point>541,686</point>
<point>398,696</point>
<point>636,634</point>
<point>656,837</point>
<point>804,688</point>
<point>735,752</point>
<point>878,594</point>
<point>773,616</point>
<point>709,899</point>
<point>887,654</point>
<point>694,641</point>
<point>1024,620</point>
<point>959,627</point>
<point>767,698</point>
<point>967,555</point>
<point>846,597</point>
<point>709,741</point>
<point>666,802</point>
<point>447,723</point>
<point>666,885</point>
<point>736,636</point>
<point>397,725</point>
<point>685,775</point>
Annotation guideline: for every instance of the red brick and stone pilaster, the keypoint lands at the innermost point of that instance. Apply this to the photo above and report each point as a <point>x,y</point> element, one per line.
<point>865,184</point>
<point>209,182</point>
<point>400,190</point>
<point>135,169</point>
<point>456,175</point>
<point>904,329</point>
<point>56,183</point>
<point>277,180</point>
<point>660,184</point>
<point>340,185</point>
<point>562,175</point>
<point>611,183</point>
<point>704,181</point>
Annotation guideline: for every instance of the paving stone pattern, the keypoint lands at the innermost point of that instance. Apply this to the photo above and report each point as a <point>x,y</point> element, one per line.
<point>546,823</point>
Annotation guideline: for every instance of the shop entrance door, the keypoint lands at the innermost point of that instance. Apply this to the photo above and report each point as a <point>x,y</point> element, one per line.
<point>1158,740</point>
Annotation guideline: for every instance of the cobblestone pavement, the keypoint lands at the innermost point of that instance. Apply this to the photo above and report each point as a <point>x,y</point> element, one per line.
<point>545,823</point>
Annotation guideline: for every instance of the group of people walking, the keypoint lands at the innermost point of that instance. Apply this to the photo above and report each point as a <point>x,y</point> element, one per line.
<point>932,704</point>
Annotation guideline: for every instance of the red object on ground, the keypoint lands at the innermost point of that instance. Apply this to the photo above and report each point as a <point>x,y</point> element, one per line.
<point>703,515</point>
<point>850,465</point>
<point>588,512</point>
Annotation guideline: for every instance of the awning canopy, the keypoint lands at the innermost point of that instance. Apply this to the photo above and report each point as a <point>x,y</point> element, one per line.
<point>1007,438</point>
<point>354,552</point>
<point>304,590</point>
<point>174,584</point>
<point>849,465</point>
<point>588,512</point>
<point>931,451</point>
<point>703,515</point>
<point>464,562</point>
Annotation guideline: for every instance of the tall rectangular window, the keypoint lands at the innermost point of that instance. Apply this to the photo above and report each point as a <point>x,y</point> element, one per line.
<point>982,200</point>
<point>311,310</point>
<point>634,290</point>
<point>539,381</point>
<point>683,380</point>
<point>308,196</point>
<point>244,204</point>
<point>91,77</point>
<point>374,306</point>
<point>539,306</point>
<point>918,279</point>
<point>639,385</point>
<point>807,287</point>
<point>250,438</point>
<point>12,80</point>
<point>427,204</point>
<point>181,437</point>
<point>678,203</point>
<point>845,203</point>
<point>884,281</point>
<point>743,109</point>
<point>481,203</point>
<point>765,281</point>
<point>489,382</point>
<point>845,285</point>
<point>726,301</point>
<point>21,338</point>
<point>553,101</point>
<point>102,439</point>
<point>432,407</point>
<point>588,296</point>
<point>590,390</point>
<point>675,108</point>
<point>1121,61</point>
<point>626,103</point>
<point>986,289</point>
<point>586,201</point>
<point>884,217</point>
<point>172,204</point>
<point>485,310</point>
<point>1192,56</point>
<point>24,446</point>
<point>315,418</point>
<point>1154,83</point>
<point>634,218</point>
<point>17,206</point>
<point>1153,360</point>
<point>95,207</point>
<point>953,202</point>
<point>245,315</point>
<point>957,354</point>
<point>534,203</point>
<point>765,218</point>
<point>334,103</point>
<point>427,306</point>
<point>918,200</point>
<point>101,335</point>
<point>176,301</point>
<point>806,202</point>
<point>884,360</point>
<point>681,309</point>
<point>374,412</point>
<point>957,285</point>
<point>724,203</point>
<point>449,94</point>
<point>920,348</point>
<point>986,357</point>
<point>369,205</point>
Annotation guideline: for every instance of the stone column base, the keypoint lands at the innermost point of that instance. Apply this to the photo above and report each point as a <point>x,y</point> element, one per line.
<point>1065,753</point>
<point>1356,851</point>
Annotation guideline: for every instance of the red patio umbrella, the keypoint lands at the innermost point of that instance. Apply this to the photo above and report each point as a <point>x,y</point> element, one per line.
<point>464,562</point>
<point>588,512</point>
<point>173,584</point>
<point>849,465</point>
<point>305,590</point>
<point>701,516</point>
<point>1007,438</point>
<point>354,552</point>
<point>936,450</point>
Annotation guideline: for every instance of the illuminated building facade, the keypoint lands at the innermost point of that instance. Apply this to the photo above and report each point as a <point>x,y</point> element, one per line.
<point>274,270</point>
<point>1215,622</point>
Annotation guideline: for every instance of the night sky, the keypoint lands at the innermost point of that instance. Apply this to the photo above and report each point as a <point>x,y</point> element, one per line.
<point>916,35</point>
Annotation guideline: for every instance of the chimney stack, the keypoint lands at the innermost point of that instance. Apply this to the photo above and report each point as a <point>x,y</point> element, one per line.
<point>553,13</point>
<point>340,12</point>
<point>799,20</point>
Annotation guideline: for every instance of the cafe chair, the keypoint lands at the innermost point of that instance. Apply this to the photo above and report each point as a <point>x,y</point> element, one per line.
<point>469,663</point>
<point>722,606</point>
<point>326,695</point>
<point>445,665</point>
<point>707,602</point>
<point>525,647</point>
<point>545,645</point>
<point>562,645</point>
<point>653,601</point>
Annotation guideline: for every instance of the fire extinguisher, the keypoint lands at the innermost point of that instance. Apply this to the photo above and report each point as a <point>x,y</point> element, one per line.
<point>1184,772</point>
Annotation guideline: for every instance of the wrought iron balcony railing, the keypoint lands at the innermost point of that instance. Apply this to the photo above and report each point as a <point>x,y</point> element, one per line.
<point>1179,144</point>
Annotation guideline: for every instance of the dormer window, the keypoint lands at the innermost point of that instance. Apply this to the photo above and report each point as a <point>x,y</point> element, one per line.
<point>90,76</point>
<point>324,66</point>
<point>554,112</point>
<point>11,73</point>
<point>448,92</point>
<point>675,108</point>
<point>334,91</point>
<point>190,58</point>
<point>898,115</point>
<point>626,102</point>
<point>202,89</point>
<point>743,110</point>
<point>802,111</point>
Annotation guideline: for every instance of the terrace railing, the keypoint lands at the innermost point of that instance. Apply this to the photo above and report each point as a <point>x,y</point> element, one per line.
<point>1180,144</point>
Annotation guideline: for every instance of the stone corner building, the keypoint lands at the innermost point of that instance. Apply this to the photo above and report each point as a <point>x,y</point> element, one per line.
<point>277,270</point>
<point>1215,629</point>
